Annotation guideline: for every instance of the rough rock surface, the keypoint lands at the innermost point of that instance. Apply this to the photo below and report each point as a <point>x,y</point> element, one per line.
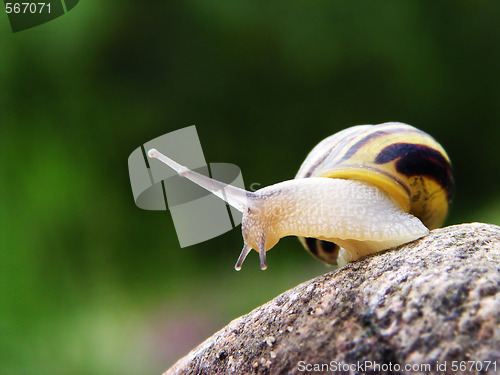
<point>430,302</point>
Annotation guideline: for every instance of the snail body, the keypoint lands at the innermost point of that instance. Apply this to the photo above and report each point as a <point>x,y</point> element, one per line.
<point>359,191</point>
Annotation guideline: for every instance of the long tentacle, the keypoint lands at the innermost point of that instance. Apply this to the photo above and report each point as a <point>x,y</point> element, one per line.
<point>236,197</point>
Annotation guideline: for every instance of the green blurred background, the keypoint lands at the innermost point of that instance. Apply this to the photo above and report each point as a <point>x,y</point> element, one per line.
<point>90,284</point>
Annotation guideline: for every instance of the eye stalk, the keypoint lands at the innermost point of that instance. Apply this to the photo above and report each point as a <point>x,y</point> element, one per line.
<point>234,196</point>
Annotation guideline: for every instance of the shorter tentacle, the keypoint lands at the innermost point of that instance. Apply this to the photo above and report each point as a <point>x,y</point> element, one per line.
<point>262,253</point>
<point>244,252</point>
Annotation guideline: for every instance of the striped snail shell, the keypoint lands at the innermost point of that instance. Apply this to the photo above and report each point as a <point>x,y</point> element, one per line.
<point>404,162</point>
<point>360,191</point>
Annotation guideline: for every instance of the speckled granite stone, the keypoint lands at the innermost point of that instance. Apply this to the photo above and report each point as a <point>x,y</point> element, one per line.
<point>434,300</point>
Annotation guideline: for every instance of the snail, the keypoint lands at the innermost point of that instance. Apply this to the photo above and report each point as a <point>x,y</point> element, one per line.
<point>360,191</point>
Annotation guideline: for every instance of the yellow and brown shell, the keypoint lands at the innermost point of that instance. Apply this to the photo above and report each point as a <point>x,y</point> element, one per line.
<point>407,163</point>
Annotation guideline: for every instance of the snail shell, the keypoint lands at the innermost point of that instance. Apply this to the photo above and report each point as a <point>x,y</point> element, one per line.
<point>406,163</point>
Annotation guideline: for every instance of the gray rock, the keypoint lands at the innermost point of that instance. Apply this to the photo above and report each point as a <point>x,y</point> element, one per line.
<point>429,302</point>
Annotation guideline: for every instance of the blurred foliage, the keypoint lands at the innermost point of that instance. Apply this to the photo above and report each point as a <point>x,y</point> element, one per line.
<point>90,284</point>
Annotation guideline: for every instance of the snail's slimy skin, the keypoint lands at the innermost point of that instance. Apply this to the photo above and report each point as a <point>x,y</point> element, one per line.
<point>359,217</point>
